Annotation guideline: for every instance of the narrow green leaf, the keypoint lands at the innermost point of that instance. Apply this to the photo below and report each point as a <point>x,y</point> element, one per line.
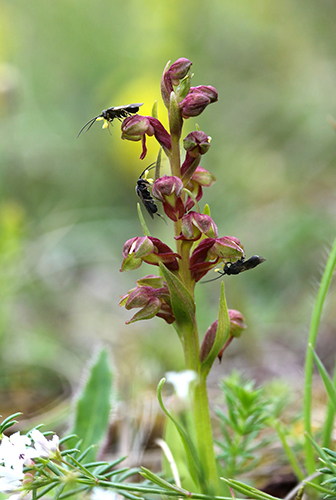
<point>93,405</point>
<point>182,303</point>
<point>142,221</point>
<point>9,421</point>
<point>193,460</point>
<point>222,333</point>
<point>320,488</point>
<point>325,378</point>
<point>154,478</point>
<point>248,490</point>
<point>158,164</point>
<point>313,331</point>
<point>155,110</point>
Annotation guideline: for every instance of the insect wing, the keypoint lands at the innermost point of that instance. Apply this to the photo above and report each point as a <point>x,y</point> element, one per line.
<point>252,262</point>
<point>129,108</point>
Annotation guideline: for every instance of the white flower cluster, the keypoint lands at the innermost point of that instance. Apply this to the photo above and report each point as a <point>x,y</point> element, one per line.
<point>16,452</point>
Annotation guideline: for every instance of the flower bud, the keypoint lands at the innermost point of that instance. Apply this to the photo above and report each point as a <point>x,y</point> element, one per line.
<point>206,90</point>
<point>196,143</point>
<point>172,76</point>
<point>195,224</point>
<point>208,341</point>
<point>200,178</point>
<point>147,249</point>
<point>179,69</point>
<point>197,100</point>
<point>168,190</point>
<point>237,325</point>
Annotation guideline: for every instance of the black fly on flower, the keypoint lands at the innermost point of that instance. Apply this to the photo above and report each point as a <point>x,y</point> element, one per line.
<point>238,267</point>
<point>145,196</point>
<point>109,114</point>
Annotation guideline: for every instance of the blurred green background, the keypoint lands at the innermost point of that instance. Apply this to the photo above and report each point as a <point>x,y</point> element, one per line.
<point>68,205</point>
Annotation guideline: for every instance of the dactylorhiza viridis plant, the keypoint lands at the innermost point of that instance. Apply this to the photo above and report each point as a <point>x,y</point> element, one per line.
<point>199,249</point>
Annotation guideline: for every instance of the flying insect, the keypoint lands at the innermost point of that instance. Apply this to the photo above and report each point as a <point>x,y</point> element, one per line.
<point>110,114</point>
<point>239,266</point>
<point>142,191</point>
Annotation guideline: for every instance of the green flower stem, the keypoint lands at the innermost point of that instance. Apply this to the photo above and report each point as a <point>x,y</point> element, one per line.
<point>175,161</point>
<point>190,339</point>
<point>309,365</point>
<point>184,251</point>
<point>204,436</point>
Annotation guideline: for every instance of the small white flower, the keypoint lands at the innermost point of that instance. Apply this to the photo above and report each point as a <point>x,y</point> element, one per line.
<point>15,452</point>
<point>10,479</point>
<point>44,447</point>
<point>181,381</point>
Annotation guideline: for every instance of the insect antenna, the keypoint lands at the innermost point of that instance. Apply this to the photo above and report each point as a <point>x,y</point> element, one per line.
<point>221,274</point>
<point>90,123</point>
<point>150,167</point>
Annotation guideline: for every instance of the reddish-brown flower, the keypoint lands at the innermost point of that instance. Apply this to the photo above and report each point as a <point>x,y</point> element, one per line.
<point>195,224</point>
<point>135,128</point>
<point>237,326</point>
<point>147,249</point>
<point>196,144</point>
<point>197,100</point>
<point>201,177</point>
<point>168,190</point>
<point>172,76</point>
<point>152,300</point>
<point>210,251</point>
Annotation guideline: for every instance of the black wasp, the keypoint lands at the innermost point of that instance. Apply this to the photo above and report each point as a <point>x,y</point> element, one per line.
<point>239,266</point>
<point>242,265</point>
<point>142,191</point>
<point>110,114</point>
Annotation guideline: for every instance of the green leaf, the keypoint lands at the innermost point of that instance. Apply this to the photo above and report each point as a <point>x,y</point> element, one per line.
<point>175,118</point>
<point>8,422</point>
<point>182,303</point>
<point>206,210</point>
<point>183,88</point>
<point>248,490</point>
<point>194,465</point>
<point>93,405</point>
<point>222,333</point>
<point>325,378</point>
<point>142,221</point>
<point>155,110</point>
<point>154,478</point>
<point>158,164</point>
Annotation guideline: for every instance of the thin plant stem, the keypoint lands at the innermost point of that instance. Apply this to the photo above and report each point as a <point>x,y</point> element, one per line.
<point>309,364</point>
<point>288,450</point>
<point>328,427</point>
